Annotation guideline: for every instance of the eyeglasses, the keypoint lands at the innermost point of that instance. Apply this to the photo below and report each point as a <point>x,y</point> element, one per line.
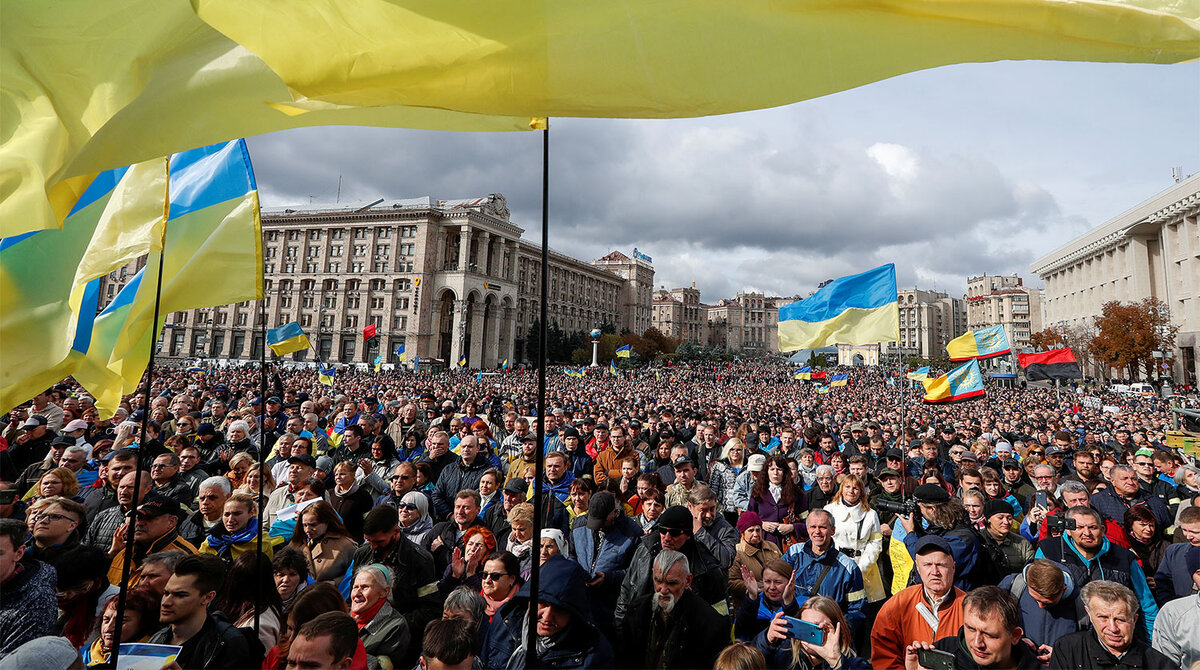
<point>673,532</point>
<point>493,576</point>
<point>408,506</point>
<point>51,516</point>
<point>161,465</point>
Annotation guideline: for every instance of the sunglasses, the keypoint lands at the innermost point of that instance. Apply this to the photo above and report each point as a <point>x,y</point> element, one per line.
<point>401,477</point>
<point>673,532</point>
<point>1037,453</point>
<point>493,576</point>
<point>408,506</point>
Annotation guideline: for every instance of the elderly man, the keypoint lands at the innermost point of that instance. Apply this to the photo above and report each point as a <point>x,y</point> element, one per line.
<point>300,468</point>
<point>925,612</point>
<point>1088,555</point>
<point>109,522</point>
<point>167,482</point>
<point>154,530</point>
<point>671,627</point>
<point>1124,493</point>
<point>990,636</point>
<point>710,527</point>
<point>463,473</point>
<point>103,493</point>
<point>821,570</point>
<point>1113,611</point>
<point>214,491</point>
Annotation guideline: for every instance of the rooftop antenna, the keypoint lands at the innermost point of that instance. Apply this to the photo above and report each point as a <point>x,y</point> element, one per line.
<point>1177,173</point>
<point>339,193</point>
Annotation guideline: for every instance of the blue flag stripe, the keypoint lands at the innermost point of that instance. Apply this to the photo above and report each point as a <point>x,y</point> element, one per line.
<point>867,290</point>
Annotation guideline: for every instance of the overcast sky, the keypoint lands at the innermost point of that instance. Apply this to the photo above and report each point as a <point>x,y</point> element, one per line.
<point>957,171</point>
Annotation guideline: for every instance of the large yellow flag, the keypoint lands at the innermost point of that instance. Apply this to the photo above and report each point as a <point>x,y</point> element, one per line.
<point>88,86</point>
<point>668,58</point>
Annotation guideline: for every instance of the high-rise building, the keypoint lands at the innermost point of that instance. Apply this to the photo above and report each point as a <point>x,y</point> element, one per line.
<point>747,323</point>
<point>443,278</point>
<point>1004,300</point>
<point>928,321</point>
<point>638,273</point>
<point>678,313</point>
<point>1150,250</point>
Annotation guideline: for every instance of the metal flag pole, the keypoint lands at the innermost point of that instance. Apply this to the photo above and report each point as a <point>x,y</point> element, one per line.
<point>131,522</point>
<point>262,436</point>
<point>531,659</point>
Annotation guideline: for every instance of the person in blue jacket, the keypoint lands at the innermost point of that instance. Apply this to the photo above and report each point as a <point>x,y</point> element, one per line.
<point>1088,555</point>
<point>604,548</point>
<point>941,515</point>
<point>820,569</point>
<point>567,633</point>
<point>1049,602</point>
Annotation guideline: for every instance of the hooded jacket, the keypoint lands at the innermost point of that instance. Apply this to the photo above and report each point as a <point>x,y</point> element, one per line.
<point>611,557</point>
<point>1113,563</point>
<point>579,645</point>
<point>709,581</point>
<point>1046,625</point>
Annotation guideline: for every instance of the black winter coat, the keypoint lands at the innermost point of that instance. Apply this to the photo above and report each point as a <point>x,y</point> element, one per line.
<point>1083,651</point>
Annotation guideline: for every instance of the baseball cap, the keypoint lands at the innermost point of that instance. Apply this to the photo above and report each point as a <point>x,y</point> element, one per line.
<point>273,399</point>
<point>601,505</point>
<point>681,461</point>
<point>33,422</point>
<point>1010,464</point>
<point>74,425</point>
<point>529,438</point>
<point>935,542</point>
<point>756,463</point>
<point>889,472</point>
<point>304,459</point>
<point>325,464</point>
<point>1054,450</point>
<point>65,440</point>
<point>969,456</point>
<point>894,454</point>
<point>155,506</point>
<point>517,485</point>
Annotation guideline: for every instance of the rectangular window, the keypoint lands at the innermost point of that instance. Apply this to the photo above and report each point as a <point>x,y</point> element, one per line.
<point>360,250</point>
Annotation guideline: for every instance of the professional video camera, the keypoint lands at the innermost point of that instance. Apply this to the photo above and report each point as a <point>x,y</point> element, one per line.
<point>1059,524</point>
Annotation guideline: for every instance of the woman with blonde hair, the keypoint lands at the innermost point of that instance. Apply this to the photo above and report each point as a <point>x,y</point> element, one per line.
<point>520,540</point>
<point>835,650</point>
<point>857,534</point>
<point>56,482</point>
<point>722,476</point>
<point>740,656</point>
<point>239,465</point>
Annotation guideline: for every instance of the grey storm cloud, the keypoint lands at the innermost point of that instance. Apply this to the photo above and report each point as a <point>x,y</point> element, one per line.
<point>729,207</point>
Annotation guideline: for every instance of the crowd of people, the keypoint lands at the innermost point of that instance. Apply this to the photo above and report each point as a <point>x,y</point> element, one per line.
<point>708,516</point>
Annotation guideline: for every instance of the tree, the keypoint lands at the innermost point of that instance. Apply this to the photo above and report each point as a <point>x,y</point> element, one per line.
<point>1130,333</point>
<point>1054,337</point>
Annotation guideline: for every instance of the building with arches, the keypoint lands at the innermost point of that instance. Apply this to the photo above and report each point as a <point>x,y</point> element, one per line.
<point>442,278</point>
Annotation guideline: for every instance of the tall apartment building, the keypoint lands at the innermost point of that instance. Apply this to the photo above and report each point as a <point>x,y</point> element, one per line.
<point>1150,250</point>
<point>638,273</point>
<point>1004,300</point>
<point>747,323</point>
<point>678,313</point>
<point>928,321</point>
<point>442,278</point>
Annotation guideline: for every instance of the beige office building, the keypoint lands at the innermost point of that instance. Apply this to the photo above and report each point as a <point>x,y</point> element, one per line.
<point>678,314</point>
<point>928,320</point>
<point>747,323</point>
<point>442,278</point>
<point>1151,250</point>
<point>1004,300</point>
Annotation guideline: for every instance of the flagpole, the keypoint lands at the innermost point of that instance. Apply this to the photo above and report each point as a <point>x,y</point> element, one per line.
<point>127,564</point>
<point>262,438</point>
<point>531,658</point>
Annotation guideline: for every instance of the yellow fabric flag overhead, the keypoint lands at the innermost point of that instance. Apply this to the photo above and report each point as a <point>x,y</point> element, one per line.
<point>90,86</point>
<point>668,58</point>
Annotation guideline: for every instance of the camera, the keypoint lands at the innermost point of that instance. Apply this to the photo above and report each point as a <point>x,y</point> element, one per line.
<point>1059,524</point>
<point>903,508</point>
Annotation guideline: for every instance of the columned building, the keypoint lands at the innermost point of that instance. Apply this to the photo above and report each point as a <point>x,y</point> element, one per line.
<point>443,279</point>
<point>678,314</point>
<point>1004,300</point>
<point>1151,250</point>
<point>638,293</point>
<point>746,323</point>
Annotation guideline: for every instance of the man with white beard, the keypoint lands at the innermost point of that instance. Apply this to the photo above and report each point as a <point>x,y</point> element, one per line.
<point>671,627</point>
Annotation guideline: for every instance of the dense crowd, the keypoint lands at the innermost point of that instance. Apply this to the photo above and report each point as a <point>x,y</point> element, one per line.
<point>716,515</point>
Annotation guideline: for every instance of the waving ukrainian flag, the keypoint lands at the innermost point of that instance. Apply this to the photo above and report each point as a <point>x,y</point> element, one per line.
<point>287,339</point>
<point>961,383</point>
<point>623,351</point>
<point>400,355</point>
<point>859,309</point>
<point>804,373</point>
<point>840,380</point>
<point>920,374</point>
<point>325,374</point>
<point>462,361</point>
<point>612,368</point>
<point>983,343</point>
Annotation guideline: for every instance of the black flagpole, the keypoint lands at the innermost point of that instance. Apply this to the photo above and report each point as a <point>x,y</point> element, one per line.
<point>131,522</point>
<point>262,439</point>
<point>531,659</point>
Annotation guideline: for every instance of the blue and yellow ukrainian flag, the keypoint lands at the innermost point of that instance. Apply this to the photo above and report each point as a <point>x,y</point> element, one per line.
<point>286,339</point>
<point>961,383</point>
<point>505,366</point>
<point>400,355</point>
<point>623,351</point>
<point>462,361</point>
<point>840,380</point>
<point>920,374</point>
<point>612,368</point>
<point>822,390</point>
<point>983,343</point>
<point>859,309</point>
<point>804,373</point>
<point>325,374</point>
<point>378,363</point>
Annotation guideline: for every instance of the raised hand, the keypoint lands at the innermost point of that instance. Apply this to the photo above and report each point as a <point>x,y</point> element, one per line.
<point>751,583</point>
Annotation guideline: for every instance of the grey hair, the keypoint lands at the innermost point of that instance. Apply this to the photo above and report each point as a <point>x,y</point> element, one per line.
<point>667,559</point>
<point>466,599</point>
<point>76,450</point>
<point>1044,465</point>
<point>240,423</point>
<point>1110,592</point>
<point>217,482</point>
<point>1083,510</point>
<point>1181,473</point>
<point>1071,486</point>
<point>376,573</point>
<point>825,470</point>
<point>828,516</point>
<point>168,559</point>
<point>1123,468</point>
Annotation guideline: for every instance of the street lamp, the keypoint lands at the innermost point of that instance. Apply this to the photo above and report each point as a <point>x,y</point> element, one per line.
<point>595,346</point>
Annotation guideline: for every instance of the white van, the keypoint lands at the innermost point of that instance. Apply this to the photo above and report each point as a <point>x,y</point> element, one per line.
<point>1142,388</point>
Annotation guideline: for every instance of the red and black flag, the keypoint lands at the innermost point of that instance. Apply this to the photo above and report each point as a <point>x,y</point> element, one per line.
<point>1053,364</point>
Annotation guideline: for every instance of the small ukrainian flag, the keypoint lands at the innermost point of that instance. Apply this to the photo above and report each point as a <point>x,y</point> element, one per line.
<point>839,380</point>
<point>378,363</point>
<point>287,339</point>
<point>462,361</point>
<point>400,355</point>
<point>624,351</point>
<point>612,368</point>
